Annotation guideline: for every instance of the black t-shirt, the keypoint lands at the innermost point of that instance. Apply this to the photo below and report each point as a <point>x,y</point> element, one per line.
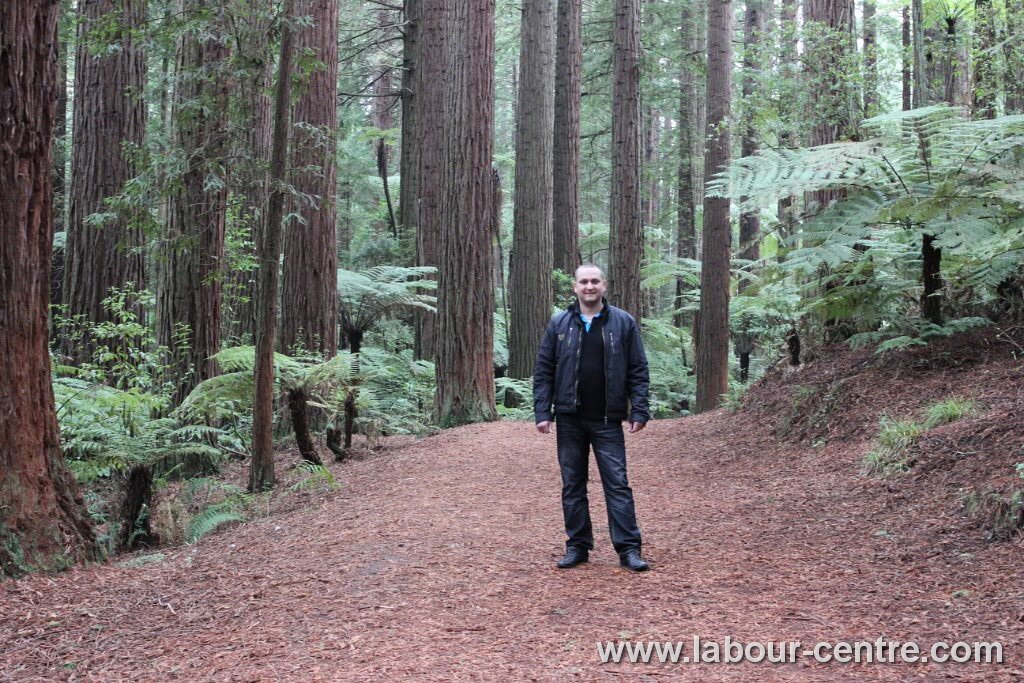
<point>591,388</point>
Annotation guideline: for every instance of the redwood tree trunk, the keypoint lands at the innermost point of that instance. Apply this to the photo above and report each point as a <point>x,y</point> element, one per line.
<point>109,113</point>
<point>931,277</point>
<point>691,140</point>
<point>754,24</point>
<point>465,366</point>
<point>310,317</point>
<point>625,242</point>
<point>530,285</point>
<point>190,284</point>
<point>713,336</point>
<point>43,523</point>
<point>566,152</point>
<point>920,94</point>
<point>986,61</point>
<point>430,79</point>
<point>908,60</point>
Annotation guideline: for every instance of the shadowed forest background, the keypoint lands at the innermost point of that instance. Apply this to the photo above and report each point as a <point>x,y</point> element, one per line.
<point>324,226</point>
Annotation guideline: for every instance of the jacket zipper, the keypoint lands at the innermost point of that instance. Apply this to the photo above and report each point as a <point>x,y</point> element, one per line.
<point>606,345</point>
<point>579,347</point>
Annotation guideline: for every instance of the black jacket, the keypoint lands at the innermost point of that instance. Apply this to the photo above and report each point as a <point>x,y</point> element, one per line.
<point>556,373</point>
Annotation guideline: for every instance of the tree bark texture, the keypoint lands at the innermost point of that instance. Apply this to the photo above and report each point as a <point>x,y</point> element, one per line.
<point>625,242</point>
<point>409,161</point>
<point>755,22</point>
<point>109,116</point>
<point>931,277</point>
<point>532,255</point>
<point>692,114</point>
<point>59,154</point>
<point>43,523</point>
<point>712,365</point>
<point>465,334</point>
<point>566,153</point>
<point>261,470</point>
<point>189,293</point>
<point>309,316</point>
<point>789,137</point>
<point>430,82</point>
<point>252,29</point>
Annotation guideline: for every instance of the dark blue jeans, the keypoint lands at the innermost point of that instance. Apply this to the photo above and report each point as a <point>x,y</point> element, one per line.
<point>575,436</point>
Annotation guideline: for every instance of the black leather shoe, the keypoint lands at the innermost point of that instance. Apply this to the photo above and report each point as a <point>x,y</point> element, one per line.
<point>632,561</point>
<point>573,557</point>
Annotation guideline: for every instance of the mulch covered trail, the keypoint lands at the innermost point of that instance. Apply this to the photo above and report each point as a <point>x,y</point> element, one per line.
<point>435,562</point>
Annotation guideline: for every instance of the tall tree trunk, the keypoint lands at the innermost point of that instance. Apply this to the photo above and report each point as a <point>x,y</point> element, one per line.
<point>789,69</point>
<point>189,293</point>
<point>625,242</point>
<point>920,96</point>
<point>986,61</point>
<point>755,22</point>
<point>907,60</point>
<point>310,281</point>
<point>465,334</point>
<point>109,115</point>
<point>712,364</point>
<point>692,104</point>
<point>870,60</point>
<point>532,242</point>
<point>261,471</point>
<point>43,523</point>
<point>430,81</point>
<point>409,161</point>
<point>566,164</point>
<point>254,66</point>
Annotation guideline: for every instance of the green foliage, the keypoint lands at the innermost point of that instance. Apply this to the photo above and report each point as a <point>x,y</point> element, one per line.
<point>367,296</point>
<point>314,476</point>
<point>925,171</point>
<point>671,382</point>
<point>952,409</point>
<point>520,391</point>
<point>895,438</point>
<point>222,503</point>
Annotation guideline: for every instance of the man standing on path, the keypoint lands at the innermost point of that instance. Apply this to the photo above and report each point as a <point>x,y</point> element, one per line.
<point>591,373</point>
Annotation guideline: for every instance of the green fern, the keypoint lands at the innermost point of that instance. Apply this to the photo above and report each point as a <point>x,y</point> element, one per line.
<point>208,521</point>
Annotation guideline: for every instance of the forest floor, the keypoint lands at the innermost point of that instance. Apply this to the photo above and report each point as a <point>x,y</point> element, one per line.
<point>434,561</point>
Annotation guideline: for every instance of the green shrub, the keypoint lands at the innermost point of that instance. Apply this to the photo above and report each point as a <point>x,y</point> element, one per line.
<point>952,409</point>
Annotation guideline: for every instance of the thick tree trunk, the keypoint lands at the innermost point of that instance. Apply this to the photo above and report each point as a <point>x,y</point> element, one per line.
<point>713,336</point>
<point>465,334</point>
<point>189,294</point>
<point>43,523</point>
<point>692,104</point>
<point>566,164</point>
<point>409,161</point>
<point>109,114</point>
<point>532,257</point>
<point>310,280</point>
<point>625,242</point>
<point>261,470</point>
<point>430,126</point>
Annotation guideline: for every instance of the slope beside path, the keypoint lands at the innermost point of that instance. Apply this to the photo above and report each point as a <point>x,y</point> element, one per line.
<point>435,562</point>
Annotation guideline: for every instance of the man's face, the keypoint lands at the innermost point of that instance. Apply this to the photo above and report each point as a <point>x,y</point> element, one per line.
<point>589,286</point>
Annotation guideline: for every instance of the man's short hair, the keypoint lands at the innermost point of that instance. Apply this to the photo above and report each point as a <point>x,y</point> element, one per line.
<point>576,273</point>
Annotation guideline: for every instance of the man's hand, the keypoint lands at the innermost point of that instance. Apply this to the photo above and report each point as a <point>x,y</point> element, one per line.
<point>544,427</point>
<point>634,427</point>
